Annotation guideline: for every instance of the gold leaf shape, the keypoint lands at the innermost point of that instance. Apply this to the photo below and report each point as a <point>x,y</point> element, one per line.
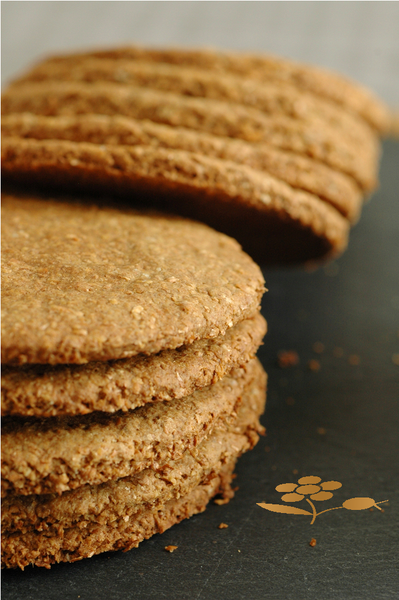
<point>291,497</point>
<point>310,479</point>
<point>331,485</point>
<point>308,489</point>
<point>358,503</point>
<point>322,496</point>
<point>279,508</point>
<point>286,487</point>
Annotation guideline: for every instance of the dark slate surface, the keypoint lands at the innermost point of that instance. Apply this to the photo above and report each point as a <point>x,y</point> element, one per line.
<point>343,425</point>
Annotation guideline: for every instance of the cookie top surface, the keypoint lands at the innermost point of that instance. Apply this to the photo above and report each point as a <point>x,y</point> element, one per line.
<point>84,283</point>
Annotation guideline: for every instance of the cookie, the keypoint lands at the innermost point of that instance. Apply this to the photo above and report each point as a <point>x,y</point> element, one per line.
<point>271,98</point>
<point>320,82</point>
<point>110,386</point>
<point>274,222</point>
<point>57,454</point>
<point>119,514</point>
<point>107,284</point>
<point>301,172</point>
<point>44,548</point>
<point>319,141</point>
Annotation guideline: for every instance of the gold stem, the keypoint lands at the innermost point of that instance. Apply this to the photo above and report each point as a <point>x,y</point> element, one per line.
<point>380,502</point>
<point>314,511</point>
<point>328,509</point>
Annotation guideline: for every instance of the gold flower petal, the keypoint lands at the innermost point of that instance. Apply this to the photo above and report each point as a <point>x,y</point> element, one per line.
<point>286,487</point>
<point>331,485</point>
<point>292,497</point>
<point>322,496</point>
<point>308,489</point>
<point>310,479</point>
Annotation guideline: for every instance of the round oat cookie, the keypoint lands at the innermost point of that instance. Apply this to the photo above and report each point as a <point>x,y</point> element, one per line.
<point>316,139</point>
<point>348,94</point>
<point>98,534</point>
<point>84,283</point>
<point>122,511</point>
<point>274,222</point>
<point>271,98</point>
<point>109,386</point>
<point>53,455</point>
<point>301,172</point>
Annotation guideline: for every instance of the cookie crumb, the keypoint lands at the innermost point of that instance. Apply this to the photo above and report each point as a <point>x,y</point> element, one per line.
<point>338,352</point>
<point>318,347</point>
<point>171,548</point>
<point>321,431</point>
<point>354,359</point>
<point>221,501</point>
<point>295,471</point>
<point>267,448</point>
<point>395,359</point>
<point>314,365</point>
<point>290,401</point>
<point>312,542</point>
<point>287,358</point>
<point>223,526</point>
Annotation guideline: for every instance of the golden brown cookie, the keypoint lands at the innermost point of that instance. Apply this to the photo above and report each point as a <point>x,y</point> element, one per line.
<point>301,172</point>
<point>319,140</point>
<point>44,548</point>
<point>106,284</point>
<point>266,68</point>
<point>56,454</point>
<point>47,391</point>
<point>125,511</point>
<point>271,98</point>
<point>274,222</point>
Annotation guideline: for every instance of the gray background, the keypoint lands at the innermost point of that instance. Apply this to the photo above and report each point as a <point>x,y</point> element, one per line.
<point>356,38</point>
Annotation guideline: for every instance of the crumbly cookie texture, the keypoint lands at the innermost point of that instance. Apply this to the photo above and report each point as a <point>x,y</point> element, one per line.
<point>271,98</point>
<point>44,548</point>
<point>265,68</point>
<point>301,172</point>
<point>46,391</point>
<point>273,221</point>
<point>106,284</point>
<point>58,454</point>
<point>318,140</point>
<point>46,529</point>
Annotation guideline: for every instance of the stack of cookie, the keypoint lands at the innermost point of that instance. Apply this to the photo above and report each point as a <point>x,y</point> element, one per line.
<point>130,385</point>
<point>277,154</point>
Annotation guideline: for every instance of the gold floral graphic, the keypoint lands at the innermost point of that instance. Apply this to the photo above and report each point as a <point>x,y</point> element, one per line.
<point>313,487</point>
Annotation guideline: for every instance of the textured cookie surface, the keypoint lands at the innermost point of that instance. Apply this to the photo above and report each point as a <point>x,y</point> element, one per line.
<point>318,140</point>
<point>45,391</point>
<point>85,283</point>
<point>78,522</point>
<point>271,98</point>
<point>46,548</point>
<point>262,67</point>
<point>273,221</point>
<point>62,453</point>
<point>300,172</point>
